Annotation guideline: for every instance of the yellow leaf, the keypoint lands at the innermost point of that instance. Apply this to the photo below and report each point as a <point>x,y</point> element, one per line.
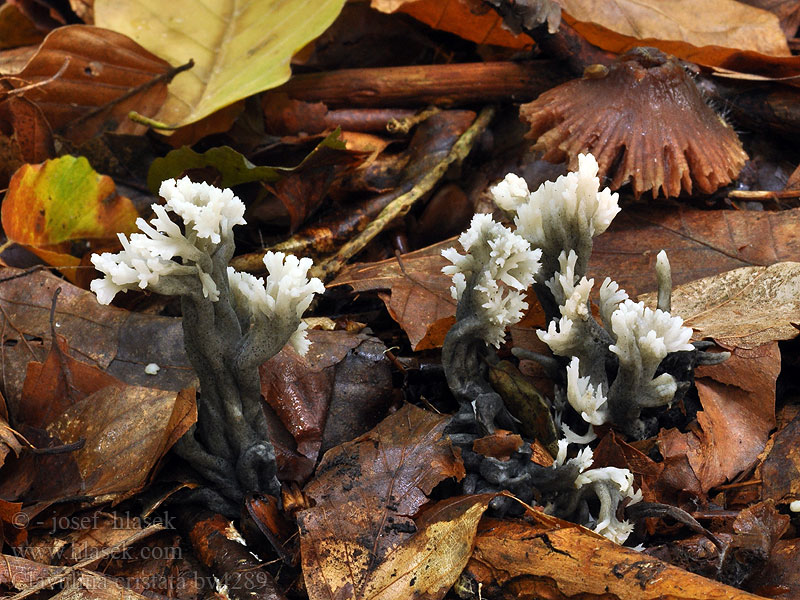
<point>239,48</point>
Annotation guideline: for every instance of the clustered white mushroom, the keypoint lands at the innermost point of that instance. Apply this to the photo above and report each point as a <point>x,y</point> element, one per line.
<point>232,323</point>
<point>611,485</point>
<point>209,214</point>
<point>498,267</point>
<point>561,215</point>
<point>559,220</point>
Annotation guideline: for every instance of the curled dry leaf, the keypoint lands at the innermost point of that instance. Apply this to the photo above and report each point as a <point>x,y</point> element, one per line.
<point>716,22</point>
<point>461,18</point>
<point>125,430</point>
<point>99,67</point>
<point>10,440</point>
<point>339,390</point>
<point>16,29</point>
<point>743,308</point>
<point>419,297</point>
<point>356,541</point>
<point>122,444</point>
<point>551,558</point>
<point>738,398</point>
<point>645,121</point>
<point>105,336</point>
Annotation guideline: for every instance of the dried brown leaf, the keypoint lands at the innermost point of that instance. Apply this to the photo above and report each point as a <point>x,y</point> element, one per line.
<point>787,11</point>
<point>717,22</point>
<point>9,441</point>
<point>104,336</point>
<point>102,66</point>
<point>420,293</point>
<point>127,431</point>
<point>343,372</point>
<point>743,308</point>
<point>56,384</point>
<point>550,558</point>
<point>780,471</point>
<point>738,398</point>
<point>366,493</point>
<point>16,29</point>
<point>424,565</point>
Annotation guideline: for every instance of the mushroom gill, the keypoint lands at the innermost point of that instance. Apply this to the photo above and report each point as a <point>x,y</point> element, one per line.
<point>644,120</point>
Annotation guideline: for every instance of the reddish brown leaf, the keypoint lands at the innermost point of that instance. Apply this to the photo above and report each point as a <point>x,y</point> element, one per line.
<point>302,191</point>
<point>379,481</point>
<point>780,577</point>
<point>16,29</point>
<point>53,386</point>
<point>699,243</point>
<point>456,17</point>
<point>127,431</point>
<point>103,65</point>
<point>420,292</point>
<point>501,444</point>
<point>615,452</point>
<point>738,398</point>
<point>105,336</point>
<point>31,130</point>
<point>780,472</point>
<point>300,389</point>
<point>550,558</point>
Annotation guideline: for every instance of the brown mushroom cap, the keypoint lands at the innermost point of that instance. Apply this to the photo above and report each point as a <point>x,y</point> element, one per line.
<point>645,121</point>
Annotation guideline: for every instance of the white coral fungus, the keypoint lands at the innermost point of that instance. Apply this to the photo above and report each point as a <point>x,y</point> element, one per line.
<point>136,265</point>
<point>499,266</point>
<point>284,296</point>
<point>209,215</point>
<point>510,193</point>
<point>559,210</point>
<point>207,212</point>
<point>611,485</point>
<point>210,211</point>
<point>588,400</point>
<point>561,336</point>
<point>647,335</point>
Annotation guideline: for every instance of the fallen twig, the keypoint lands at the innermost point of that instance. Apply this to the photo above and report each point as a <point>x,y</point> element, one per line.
<point>402,204</point>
